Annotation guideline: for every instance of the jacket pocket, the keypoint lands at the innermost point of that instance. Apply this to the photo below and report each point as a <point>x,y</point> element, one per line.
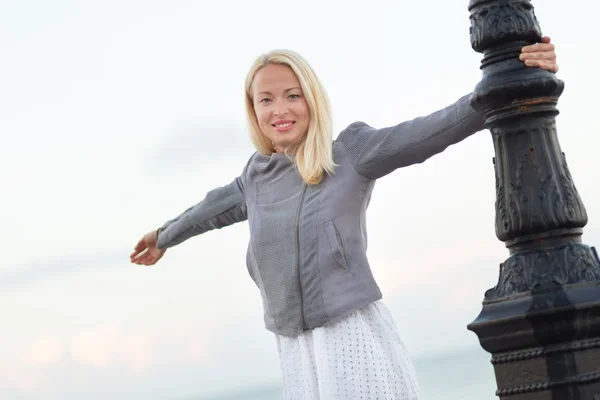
<point>335,244</point>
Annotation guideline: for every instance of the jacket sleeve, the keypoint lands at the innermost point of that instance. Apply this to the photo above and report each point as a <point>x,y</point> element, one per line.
<point>377,152</point>
<point>221,207</point>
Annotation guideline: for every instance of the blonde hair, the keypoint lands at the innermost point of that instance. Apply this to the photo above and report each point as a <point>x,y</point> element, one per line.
<point>314,153</point>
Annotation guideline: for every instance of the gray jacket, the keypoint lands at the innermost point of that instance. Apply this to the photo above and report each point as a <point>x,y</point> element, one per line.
<point>307,250</point>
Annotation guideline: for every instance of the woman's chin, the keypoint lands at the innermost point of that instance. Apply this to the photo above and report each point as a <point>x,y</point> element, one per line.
<point>284,144</point>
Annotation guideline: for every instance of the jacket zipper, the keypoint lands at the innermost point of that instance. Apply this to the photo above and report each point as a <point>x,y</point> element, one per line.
<point>298,258</point>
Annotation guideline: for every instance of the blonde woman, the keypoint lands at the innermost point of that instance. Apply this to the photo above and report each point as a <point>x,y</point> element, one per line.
<point>305,197</point>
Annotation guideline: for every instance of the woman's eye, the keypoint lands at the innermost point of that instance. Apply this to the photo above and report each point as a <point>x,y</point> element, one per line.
<point>294,96</point>
<point>265,101</point>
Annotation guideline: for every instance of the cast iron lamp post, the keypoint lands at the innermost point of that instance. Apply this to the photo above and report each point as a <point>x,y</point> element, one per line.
<point>541,323</point>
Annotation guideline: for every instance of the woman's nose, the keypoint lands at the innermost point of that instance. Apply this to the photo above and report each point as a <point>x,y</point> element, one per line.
<point>280,108</point>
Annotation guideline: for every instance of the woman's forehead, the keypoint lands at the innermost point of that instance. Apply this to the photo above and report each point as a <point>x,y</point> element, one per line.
<point>273,77</point>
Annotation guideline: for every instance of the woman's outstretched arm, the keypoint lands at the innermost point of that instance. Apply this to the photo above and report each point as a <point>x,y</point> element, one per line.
<point>221,207</point>
<point>377,152</point>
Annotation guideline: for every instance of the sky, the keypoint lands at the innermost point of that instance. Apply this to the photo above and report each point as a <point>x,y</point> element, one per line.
<point>116,116</point>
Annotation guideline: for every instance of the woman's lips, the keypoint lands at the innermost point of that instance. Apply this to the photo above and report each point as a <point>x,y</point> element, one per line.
<point>284,127</point>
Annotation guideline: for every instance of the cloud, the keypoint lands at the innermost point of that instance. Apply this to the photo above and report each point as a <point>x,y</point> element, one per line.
<point>97,353</point>
<point>195,143</point>
<point>21,379</point>
<point>138,350</point>
<point>95,348</point>
<point>44,351</point>
<point>463,296</point>
<point>29,273</point>
<point>109,345</point>
<point>445,265</point>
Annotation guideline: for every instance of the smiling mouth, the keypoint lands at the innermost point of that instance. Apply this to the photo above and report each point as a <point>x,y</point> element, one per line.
<point>283,126</point>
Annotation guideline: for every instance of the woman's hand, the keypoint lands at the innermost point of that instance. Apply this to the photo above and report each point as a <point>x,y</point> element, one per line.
<point>146,252</point>
<point>541,55</point>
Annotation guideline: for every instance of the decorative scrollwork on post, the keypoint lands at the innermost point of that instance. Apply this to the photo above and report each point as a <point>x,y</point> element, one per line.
<point>545,268</point>
<point>493,22</point>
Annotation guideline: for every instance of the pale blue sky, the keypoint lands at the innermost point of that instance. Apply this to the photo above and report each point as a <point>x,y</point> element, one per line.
<point>117,115</point>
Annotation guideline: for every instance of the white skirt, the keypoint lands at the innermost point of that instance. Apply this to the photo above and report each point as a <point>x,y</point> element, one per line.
<point>358,357</point>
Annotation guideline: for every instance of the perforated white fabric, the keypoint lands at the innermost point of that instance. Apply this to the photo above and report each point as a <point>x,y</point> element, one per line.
<point>360,357</point>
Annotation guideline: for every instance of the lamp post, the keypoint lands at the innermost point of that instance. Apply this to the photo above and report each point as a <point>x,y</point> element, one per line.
<point>541,323</point>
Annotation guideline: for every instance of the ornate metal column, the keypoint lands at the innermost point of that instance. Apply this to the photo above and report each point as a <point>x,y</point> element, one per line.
<point>541,323</point>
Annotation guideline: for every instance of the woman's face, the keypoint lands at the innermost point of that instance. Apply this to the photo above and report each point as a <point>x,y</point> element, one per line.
<point>280,106</point>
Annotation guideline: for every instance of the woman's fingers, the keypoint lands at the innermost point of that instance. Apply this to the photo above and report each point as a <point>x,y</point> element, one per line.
<point>546,55</point>
<point>550,66</point>
<point>538,47</point>
<point>139,248</point>
<point>146,259</point>
<point>138,253</point>
<point>541,55</point>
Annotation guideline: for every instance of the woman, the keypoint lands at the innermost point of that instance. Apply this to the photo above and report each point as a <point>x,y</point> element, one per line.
<point>305,198</point>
